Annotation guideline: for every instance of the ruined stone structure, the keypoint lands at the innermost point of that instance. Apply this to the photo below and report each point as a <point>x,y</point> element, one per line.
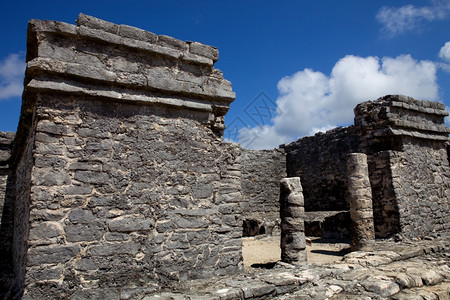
<point>119,165</point>
<point>406,145</point>
<point>117,182</point>
<point>405,140</point>
<point>324,155</point>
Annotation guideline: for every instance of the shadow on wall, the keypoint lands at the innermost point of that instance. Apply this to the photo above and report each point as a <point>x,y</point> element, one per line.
<point>7,214</point>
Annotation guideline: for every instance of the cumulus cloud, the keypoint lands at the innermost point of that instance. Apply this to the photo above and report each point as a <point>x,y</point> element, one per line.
<point>444,54</point>
<point>409,17</point>
<point>12,71</point>
<point>310,101</point>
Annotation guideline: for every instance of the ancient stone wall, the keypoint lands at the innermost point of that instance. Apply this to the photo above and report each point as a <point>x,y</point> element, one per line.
<point>406,142</point>
<point>131,185</point>
<point>261,174</point>
<point>421,179</point>
<point>320,161</point>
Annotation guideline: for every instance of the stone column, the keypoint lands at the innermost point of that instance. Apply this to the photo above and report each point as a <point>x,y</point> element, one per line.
<point>292,213</point>
<point>361,212</point>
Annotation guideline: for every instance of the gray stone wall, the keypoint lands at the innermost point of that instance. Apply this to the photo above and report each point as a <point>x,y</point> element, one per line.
<point>406,140</point>
<point>320,161</point>
<point>421,179</point>
<point>127,196</point>
<point>123,181</point>
<point>262,171</point>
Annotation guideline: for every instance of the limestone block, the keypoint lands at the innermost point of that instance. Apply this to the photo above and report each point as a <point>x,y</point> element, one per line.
<point>52,254</point>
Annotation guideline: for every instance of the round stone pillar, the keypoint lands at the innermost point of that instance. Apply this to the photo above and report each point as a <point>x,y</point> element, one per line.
<point>361,212</point>
<point>292,214</point>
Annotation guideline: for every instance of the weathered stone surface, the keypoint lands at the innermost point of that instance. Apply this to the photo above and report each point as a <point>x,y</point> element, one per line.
<point>405,140</point>
<point>131,223</point>
<point>261,174</point>
<point>52,254</point>
<point>46,233</point>
<point>381,286</point>
<point>361,213</point>
<point>292,243</point>
<point>320,161</point>
<point>120,164</point>
<point>118,183</point>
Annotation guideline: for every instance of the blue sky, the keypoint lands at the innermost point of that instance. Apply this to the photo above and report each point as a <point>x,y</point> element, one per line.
<point>297,67</point>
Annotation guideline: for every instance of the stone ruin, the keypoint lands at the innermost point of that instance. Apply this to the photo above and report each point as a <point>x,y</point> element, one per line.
<point>118,182</point>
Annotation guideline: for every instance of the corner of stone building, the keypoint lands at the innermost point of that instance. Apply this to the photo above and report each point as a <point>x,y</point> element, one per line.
<point>406,141</point>
<point>119,148</point>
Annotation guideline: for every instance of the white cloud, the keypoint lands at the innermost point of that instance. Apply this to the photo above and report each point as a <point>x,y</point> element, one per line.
<point>310,101</point>
<point>444,53</point>
<point>398,20</point>
<point>12,71</point>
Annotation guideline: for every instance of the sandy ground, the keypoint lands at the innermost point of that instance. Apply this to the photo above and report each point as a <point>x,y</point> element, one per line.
<point>257,250</point>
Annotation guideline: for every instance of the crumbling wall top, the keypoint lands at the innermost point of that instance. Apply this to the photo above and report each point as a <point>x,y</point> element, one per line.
<point>102,59</point>
<point>399,115</point>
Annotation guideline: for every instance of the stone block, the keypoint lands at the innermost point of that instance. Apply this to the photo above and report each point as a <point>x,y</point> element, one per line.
<point>50,127</point>
<point>48,177</point>
<point>204,50</point>
<point>113,249</point>
<point>52,254</point>
<point>130,223</point>
<point>137,34</point>
<point>191,223</point>
<point>258,290</point>
<point>382,287</point>
<point>95,23</point>
<point>81,216</point>
<point>39,273</point>
<point>167,41</point>
<point>92,177</point>
<point>87,232</point>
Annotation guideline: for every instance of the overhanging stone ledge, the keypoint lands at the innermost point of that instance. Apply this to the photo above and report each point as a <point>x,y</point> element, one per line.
<point>42,86</point>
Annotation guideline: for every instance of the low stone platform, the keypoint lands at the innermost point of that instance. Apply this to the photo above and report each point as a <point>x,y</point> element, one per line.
<point>402,270</point>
